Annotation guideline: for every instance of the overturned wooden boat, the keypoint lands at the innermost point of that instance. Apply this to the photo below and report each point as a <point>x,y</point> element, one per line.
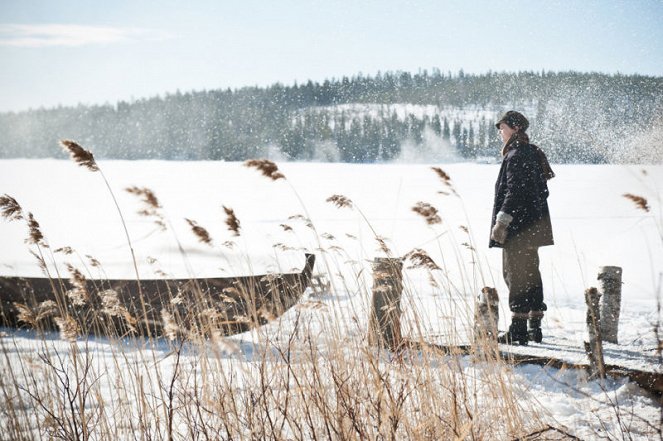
<point>155,307</point>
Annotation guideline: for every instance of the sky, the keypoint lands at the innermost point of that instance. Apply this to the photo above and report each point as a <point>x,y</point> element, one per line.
<point>67,52</point>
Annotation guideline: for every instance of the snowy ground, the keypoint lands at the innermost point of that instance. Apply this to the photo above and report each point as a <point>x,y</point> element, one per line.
<point>594,225</point>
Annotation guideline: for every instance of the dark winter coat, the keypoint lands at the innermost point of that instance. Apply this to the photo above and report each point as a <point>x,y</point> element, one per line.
<point>521,190</point>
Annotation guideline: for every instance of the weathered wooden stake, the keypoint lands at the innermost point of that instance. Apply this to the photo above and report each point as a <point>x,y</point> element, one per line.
<point>486,316</point>
<point>594,347</point>
<point>384,327</point>
<point>610,279</point>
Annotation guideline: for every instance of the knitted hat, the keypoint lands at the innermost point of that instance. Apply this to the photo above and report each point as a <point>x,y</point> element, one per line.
<point>513,119</point>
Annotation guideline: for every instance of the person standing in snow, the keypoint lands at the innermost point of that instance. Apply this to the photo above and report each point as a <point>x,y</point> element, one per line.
<point>520,225</point>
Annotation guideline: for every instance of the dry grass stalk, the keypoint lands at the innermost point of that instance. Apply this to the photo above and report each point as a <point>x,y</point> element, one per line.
<point>82,157</point>
<point>420,259</point>
<point>428,212</point>
<point>68,328</point>
<point>639,201</point>
<point>10,209</point>
<point>35,237</point>
<point>199,231</point>
<point>266,167</point>
<point>231,220</point>
<point>340,201</point>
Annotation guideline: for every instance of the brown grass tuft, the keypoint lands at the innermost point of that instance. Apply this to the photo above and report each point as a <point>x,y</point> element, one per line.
<point>286,227</point>
<point>231,220</point>
<point>428,212</point>
<point>10,209</point>
<point>199,231</point>
<point>639,201</point>
<point>266,167</point>
<point>82,157</point>
<point>420,259</point>
<point>340,201</point>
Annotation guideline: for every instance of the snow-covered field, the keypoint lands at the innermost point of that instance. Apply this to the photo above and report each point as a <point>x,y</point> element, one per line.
<point>594,225</point>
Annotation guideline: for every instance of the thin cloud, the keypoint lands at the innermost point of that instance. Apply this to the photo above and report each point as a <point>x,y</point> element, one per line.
<point>49,35</point>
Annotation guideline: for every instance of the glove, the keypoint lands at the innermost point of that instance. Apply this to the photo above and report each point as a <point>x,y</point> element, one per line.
<point>498,234</point>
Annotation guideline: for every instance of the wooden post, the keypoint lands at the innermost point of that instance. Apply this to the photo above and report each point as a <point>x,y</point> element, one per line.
<point>610,278</point>
<point>384,327</point>
<point>594,347</point>
<point>486,316</point>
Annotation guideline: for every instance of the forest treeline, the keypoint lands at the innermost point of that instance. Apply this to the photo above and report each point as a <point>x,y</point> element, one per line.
<point>575,117</point>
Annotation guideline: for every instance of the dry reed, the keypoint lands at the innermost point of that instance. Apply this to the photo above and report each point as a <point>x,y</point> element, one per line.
<point>231,220</point>
<point>428,212</point>
<point>79,155</point>
<point>340,201</point>
<point>35,237</point>
<point>640,202</point>
<point>10,209</point>
<point>266,167</point>
<point>201,233</point>
<point>420,259</point>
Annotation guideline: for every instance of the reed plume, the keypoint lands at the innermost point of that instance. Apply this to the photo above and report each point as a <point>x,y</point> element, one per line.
<point>286,227</point>
<point>442,174</point>
<point>79,155</point>
<point>25,314</point>
<point>382,244</point>
<point>340,201</point>
<point>428,212</point>
<point>170,327</point>
<point>68,328</point>
<point>146,194</point>
<point>151,202</point>
<point>231,220</point>
<point>639,201</point>
<point>266,167</point>
<point>199,231</point>
<point>64,250</point>
<point>420,259</point>
<point>10,209</point>
<point>446,180</point>
<point>35,237</point>
<point>79,294</point>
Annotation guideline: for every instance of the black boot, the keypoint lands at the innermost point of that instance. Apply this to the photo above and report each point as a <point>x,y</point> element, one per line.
<point>517,333</point>
<point>534,326</point>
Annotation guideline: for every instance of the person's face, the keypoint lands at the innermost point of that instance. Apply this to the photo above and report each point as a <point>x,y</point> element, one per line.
<point>506,131</point>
